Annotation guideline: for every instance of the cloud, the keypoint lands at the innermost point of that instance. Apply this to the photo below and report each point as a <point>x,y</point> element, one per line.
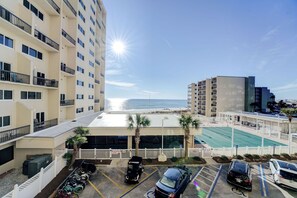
<point>119,84</point>
<point>113,72</point>
<point>287,87</point>
<point>262,64</point>
<point>270,34</point>
<point>149,92</point>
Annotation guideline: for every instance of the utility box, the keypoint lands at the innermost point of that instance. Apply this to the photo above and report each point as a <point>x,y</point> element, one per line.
<point>35,165</point>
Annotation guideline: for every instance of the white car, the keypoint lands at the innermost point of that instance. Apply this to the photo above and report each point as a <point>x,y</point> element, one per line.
<point>284,173</point>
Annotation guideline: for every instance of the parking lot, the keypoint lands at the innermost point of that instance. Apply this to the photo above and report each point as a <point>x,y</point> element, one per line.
<point>207,180</point>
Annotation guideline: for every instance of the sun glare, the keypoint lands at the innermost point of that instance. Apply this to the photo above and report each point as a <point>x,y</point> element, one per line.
<point>118,47</point>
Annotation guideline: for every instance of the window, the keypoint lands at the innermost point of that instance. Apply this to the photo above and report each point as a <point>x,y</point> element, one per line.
<point>92,42</point>
<point>80,83</point>
<point>82,4</point>
<point>80,110</point>
<point>30,95</point>
<point>80,42</point>
<point>79,96</point>
<point>6,121</point>
<point>6,41</point>
<point>79,55</point>
<point>92,20</point>
<point>31,52</point>
<point>93,10</point>
<point>91,75</point>
<point>81,29</point>
<point>91,85</point>
<point>91,53</point>
<point>24,95</point>
<point>79,69</point>
<point>91,96</point>
<point>90,108</point>
<point>7,155</point>
<point>5,95</point>
<point>81,16</point>
<point>91,64</point>
<point>92,31</point>
<point>33,9</point>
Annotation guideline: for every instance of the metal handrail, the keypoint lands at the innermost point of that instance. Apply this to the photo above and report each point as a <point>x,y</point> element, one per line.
<point>8,16</point>
<point>66,102</point>
<point>54,5</point>
<point>14,77</point>
<point>45,124</point>
<point>70,7</point>
<point>45,82</point>
<point>14,133</point>
<point>68,37</point>
<point>67,69</point>
<point>46,39</point>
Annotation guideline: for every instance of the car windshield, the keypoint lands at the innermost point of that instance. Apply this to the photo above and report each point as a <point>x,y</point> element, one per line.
<point>287,166</point>
<point>240,167</point>
<point>168,182</point>
<point>287,175</point>
<point>132,167</point>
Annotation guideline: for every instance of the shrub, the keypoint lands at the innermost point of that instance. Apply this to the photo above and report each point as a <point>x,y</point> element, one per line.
<point>239,157</point>
<point>268,156</point>
<point>149,160</point>
<point>287,156</point>
<point>174,159</point>
<point>276,156</point>
<point>197,158</point>
<point>68,157</point>
<point>224,158</point>
<point>255,156</point>
<point>248,156</point>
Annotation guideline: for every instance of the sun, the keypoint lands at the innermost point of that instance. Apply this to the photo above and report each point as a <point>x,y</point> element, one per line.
<point>118,47</point>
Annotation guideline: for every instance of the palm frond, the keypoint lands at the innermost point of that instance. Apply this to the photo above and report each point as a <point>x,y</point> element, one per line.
<point>130,122</point>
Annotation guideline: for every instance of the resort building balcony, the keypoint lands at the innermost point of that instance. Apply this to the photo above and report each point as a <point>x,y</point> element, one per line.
<point>97,62</point>
<point>14,20</point>
<point>67,70</point>
<point>70,12</point>
<point>45,124</point>
<point>14,133</point>
<point>213,98</point>
<point>10,76</point>
<point>70,41</point>
<point>46,39</point>
<point>97,81</point>
<point>96,100</point>
<point>49,6</point>
<point>45,82</point>
<point>66,102</point>
<point>102,75</point>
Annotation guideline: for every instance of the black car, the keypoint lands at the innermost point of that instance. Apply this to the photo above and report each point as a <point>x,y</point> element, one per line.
<point>173,183</point>
<point>134,170</point>
<point>240,175</point>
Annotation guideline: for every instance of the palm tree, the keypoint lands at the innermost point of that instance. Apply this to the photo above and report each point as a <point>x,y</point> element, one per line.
<point>138,122</point>
<point>185,121</point>
<point>76,142</point>
<point>289,112</point>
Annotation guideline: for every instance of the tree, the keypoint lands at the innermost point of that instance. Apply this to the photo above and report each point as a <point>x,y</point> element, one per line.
<point>289,112</point>
<point>281,104</point>
<point>137,123</point>
<point>185,121</point>
<point>76,142</point>
<point>255,104</point>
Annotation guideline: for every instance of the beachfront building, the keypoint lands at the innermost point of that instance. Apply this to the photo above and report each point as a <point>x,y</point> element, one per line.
<point>192,98</point>
<point>262,97</point>
<point>225,93</point>
<point>52,67</point>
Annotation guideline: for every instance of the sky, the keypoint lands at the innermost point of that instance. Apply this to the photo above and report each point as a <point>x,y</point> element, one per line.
<point>169,44</point>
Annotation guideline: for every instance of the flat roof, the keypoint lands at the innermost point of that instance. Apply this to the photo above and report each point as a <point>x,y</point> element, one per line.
<point>120,120</point>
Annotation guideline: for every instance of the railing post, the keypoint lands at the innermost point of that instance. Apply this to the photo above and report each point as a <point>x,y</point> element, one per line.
<point>55,166</point>
<point>258,152</point>
<point>144,153</point>
<point>120,154</point>
<point>110,153</point>
<point>173,151</point>
<point>40,179</point>
<point>95,153</point>
<point>130,153</point>
<point>79,153</point>
<point>15,191</point>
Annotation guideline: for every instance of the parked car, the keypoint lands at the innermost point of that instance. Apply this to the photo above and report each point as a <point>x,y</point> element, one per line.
<point>173,182</point>
<point>240,175</point>
<point>284,173</point>
<point>134,170</point>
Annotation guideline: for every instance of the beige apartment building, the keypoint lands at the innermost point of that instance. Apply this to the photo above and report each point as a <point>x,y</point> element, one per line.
<point>224,93</point>
<point>52,67</point>
<point>192,98</point>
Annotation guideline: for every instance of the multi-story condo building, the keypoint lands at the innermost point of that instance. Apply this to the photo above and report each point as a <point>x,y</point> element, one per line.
<point>52,65</point>
<point>262,97</point>
<point>225,93</point>
<point>193,97</point>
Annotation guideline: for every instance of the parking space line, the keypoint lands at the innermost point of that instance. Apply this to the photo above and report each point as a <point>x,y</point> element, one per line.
<point>210,169</point>
<point>261,181</point>
<point>264,181</point>
<point>215,182</point>
<point>115,183</point>
<point>202,182</point>
<point>209,174</point>
<point>206,178</point>
<point>98,191</point>
<point>139,183</point>
<point>121,171</point>
<point>213,167</point>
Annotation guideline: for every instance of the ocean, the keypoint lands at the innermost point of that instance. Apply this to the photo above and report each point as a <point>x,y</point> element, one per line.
<point>117,104</point>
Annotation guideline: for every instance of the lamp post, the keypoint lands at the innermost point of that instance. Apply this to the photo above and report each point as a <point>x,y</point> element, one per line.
<point>165,118</point>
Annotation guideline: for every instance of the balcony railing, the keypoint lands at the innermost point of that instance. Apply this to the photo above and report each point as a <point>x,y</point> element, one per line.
<point>70,7</point>
<point>46,39</point>
<point>66,102</point>
<point>14,77</point>
<point>96,61</point>
<point>14,133</point>
<point>97,81</point>
<point>54,5</point>
<point>68,37</point>
<point>96,100</point>
<point>45,124</point>
<point>8,16</point>
<point>45,82</point>
<point>67,69</point>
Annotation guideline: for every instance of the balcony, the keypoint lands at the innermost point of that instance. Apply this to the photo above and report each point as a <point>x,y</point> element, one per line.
<point>45,82</point>
<point>54,5</point>
<point>44,125</point>
<point>10,76</point>
<point>70,7</point>
<point>49,6</point>
<point>97,81</point>
<point>66,102</point>
<point>46,39</point>
<point>14,133</point>
<point>16,21</point>
<point>97,62</point>
<point>68,37</point>
<point>214,98</point>
<point>66,69</point>
<point>96,100</point>
<point>102,75</point>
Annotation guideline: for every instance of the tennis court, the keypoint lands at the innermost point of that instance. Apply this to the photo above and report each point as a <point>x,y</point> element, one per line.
<point>218,137</point>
